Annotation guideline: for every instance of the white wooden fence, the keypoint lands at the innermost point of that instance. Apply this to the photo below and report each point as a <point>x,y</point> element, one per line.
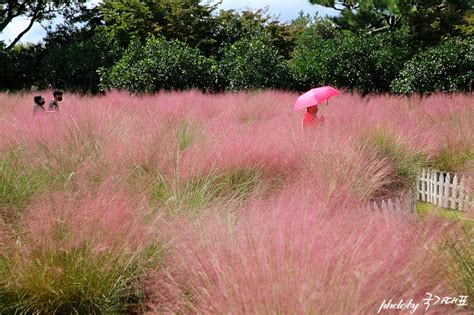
<point>443,189</point>
<point>406,201</point>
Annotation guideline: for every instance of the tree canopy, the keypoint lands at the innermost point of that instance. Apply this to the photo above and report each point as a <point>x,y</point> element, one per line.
<point>186,20</point>
<point>33,10</point>
<point>429,20</point>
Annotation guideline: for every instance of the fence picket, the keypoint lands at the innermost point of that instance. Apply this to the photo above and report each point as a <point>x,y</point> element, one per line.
<point>383,206</point>
<point>390,205</point>
<point>454,193</point>
<point>439,189</point>
<point>398,205</point>
<point>428,185</point>
<point>433,187</point>
<point>423,185</point>
<point>447,182</point>
<point>376,207</point>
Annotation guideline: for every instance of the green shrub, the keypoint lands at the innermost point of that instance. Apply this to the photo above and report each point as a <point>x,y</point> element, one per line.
<point>18,184</point>
<point>252,63</point>
<point>361,62</point>
<point>444,68</point>
<point>454,159</point>
<point>71,281</point>
<point>158,65</point>
<point>405,160</point>
<point>458,252</point>
<point>185,135</point>
<point>199,191</point>
<point>54,268</point>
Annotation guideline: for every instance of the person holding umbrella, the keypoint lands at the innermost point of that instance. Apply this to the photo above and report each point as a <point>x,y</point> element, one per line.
<point>310,101</point>
<point>310,118</point>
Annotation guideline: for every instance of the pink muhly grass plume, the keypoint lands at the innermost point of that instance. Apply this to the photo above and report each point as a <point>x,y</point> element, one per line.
<point>268,150</point>
<point>339,166</point>
<point>105,220</point>
<point>297,254</point>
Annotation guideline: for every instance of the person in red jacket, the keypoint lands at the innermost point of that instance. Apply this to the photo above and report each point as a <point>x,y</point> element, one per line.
<point>310,119</point>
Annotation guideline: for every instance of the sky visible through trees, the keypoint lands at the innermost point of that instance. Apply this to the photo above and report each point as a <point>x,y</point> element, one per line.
<point>283,9</point>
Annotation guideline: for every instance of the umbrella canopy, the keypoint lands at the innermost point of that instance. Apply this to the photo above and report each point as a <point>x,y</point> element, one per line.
<point>314,97</point>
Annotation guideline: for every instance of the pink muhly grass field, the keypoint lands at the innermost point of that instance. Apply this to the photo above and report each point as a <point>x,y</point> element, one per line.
<point>250,213</point>
<point>298,255</point>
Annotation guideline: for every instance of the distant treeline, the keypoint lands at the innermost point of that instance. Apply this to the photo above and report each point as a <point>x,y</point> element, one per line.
<point>146,46</point>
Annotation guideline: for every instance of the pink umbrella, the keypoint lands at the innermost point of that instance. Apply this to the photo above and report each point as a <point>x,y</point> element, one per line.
<point>315,97</point>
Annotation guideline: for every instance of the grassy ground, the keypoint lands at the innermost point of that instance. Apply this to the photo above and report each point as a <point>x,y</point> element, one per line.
<point>425,208</point>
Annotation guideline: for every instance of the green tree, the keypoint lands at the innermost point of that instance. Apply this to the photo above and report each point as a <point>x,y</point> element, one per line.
<point>467,28</point>
<point>73,65</point>
<point>19,67</point>
<point>433,20</point>
<point>33,10</point>
<point>429,20</point>
<point>5,68</point>
<point>231,26</point>
<point>158,64</point>
<point>443,68</point>
<point>186,20</point>
<point>253,63</point>
<point>368,15</point>
<point>364,63</point>
<point>74,50</point>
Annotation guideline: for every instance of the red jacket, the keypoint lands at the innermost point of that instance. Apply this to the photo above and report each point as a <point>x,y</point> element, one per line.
<point>310,121</point>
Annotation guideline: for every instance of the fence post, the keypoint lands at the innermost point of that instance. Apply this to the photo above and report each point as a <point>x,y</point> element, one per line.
<point>398,205</point>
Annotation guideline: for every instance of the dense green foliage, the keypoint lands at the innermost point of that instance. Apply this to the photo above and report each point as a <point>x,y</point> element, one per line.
<point>428,20</point>
<point>17,67</point>
<point>367,14</point>
<point>359,62</point>
<point>447,67</point>
<point>73,65</point>
<point>158,64</point>
<point>252,63</point>
<point>188,20</point>
<point>145,46</point>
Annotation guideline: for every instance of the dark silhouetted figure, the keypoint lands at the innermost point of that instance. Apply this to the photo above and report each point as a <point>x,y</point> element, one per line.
<point>57,97</point>
<point>39,103</point>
